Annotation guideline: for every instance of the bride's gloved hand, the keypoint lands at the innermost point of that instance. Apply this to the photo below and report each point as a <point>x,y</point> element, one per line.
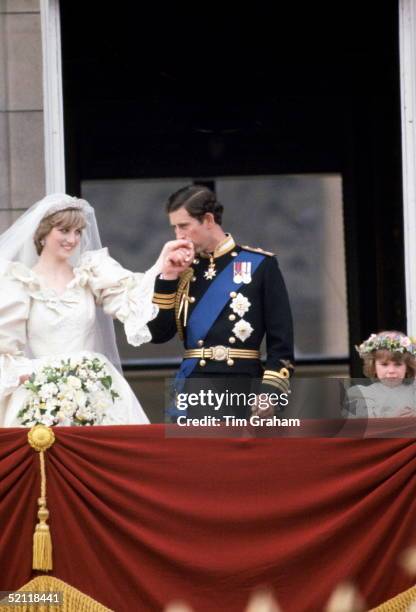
<point>176,256</point>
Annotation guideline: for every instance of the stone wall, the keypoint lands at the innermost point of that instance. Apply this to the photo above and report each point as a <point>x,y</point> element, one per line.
<point>22,168</point>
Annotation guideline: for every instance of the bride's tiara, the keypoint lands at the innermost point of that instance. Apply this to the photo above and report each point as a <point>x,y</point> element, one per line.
<point>68,202</point>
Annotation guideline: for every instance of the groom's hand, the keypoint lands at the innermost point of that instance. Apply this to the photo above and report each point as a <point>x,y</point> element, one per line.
<point>177,256</point>
<point>262,408</point>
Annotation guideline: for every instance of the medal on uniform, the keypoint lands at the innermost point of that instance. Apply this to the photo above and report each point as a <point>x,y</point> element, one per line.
<point>246,272</point>
<point>211,272</point>
<point>237,272</point>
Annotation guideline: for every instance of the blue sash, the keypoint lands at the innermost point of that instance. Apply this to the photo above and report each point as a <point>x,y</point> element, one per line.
<point>206,312</point>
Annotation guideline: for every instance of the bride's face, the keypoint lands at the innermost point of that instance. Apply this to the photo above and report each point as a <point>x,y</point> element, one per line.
<point>61,242</point>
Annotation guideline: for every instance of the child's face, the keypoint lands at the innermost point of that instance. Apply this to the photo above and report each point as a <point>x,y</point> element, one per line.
<point>390,372</point>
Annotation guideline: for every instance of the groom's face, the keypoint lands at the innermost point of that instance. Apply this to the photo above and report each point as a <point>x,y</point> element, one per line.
<point>189,228</point>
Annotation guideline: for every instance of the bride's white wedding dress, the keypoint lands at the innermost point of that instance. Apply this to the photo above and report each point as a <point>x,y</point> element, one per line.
<point>37,324</point>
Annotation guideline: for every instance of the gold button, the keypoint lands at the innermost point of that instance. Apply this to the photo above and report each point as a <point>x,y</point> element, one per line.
<point>231,340</point>
<point>234,254</point>
<point>200,343</point>
<point>232,317</point>
<point>192,299</point>
<point>233,294</point>
<point>230,362</point>
<point>193,279</point>
<point>202,363</point>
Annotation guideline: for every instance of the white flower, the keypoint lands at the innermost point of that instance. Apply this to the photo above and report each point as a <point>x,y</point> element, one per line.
<point>83,374</point>
<point>67,407</point>
<point>92,386</point>
<point>240,305</point>
<point>30,413</point>
<point>67,395</point>
<point>74,363</point>
<point>80,398</point>
<point>48,391</point>
<point>48,420</point>
<point>242,330</point>
<point>83,414</point>
<point>51,403</point>
<point>99,401</point>
<point>63,419</point>
<point>74,382</point>
<point>40,379</point>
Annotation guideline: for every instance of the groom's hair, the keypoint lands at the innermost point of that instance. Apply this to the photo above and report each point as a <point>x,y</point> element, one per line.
<point>197,200</point>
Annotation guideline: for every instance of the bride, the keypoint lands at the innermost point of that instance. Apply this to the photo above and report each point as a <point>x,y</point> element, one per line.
<point>53,275</point>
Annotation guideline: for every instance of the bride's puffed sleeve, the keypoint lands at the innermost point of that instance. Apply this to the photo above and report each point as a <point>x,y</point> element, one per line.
<point>14,312</point>
<point>124,295</point>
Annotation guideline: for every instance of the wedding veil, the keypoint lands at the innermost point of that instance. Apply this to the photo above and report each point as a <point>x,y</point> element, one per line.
<point>16,244</point>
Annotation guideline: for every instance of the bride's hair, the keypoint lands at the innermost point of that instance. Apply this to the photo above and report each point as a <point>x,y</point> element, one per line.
<point>69,218</point>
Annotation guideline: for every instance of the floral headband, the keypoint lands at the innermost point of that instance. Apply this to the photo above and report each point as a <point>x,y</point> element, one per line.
<point>395,343</point>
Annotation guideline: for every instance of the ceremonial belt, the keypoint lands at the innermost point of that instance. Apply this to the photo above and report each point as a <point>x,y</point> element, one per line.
<point>221,353</point>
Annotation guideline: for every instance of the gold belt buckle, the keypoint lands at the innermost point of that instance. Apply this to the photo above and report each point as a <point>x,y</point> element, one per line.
<point>219,353</point>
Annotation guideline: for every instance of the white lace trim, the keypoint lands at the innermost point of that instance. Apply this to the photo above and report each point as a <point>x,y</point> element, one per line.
<point>138,333</point>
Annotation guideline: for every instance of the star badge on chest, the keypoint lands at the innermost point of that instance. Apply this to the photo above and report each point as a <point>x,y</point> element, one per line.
<point>210,273</point>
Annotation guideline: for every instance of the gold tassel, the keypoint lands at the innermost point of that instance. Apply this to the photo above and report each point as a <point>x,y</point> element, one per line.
<point>42,541</point>
<point>41,438</point>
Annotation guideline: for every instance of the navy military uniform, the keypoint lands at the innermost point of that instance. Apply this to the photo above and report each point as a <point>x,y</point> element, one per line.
<point>257,307</point>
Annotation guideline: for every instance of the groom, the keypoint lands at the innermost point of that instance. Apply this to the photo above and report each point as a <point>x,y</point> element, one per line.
<point>223,304</point>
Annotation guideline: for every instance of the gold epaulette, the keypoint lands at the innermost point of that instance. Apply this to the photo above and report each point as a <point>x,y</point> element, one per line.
<point>257,250</point>
<point>182,291</point>
<point>165,301</point>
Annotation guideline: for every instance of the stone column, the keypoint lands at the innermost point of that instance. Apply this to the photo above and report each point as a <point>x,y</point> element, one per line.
<point>22,167</point>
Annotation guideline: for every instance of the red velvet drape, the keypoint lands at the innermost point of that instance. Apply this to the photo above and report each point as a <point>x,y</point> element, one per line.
<point>138,519</point>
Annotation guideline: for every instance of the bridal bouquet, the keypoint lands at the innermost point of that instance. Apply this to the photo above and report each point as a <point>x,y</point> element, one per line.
<point>70,392</point>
